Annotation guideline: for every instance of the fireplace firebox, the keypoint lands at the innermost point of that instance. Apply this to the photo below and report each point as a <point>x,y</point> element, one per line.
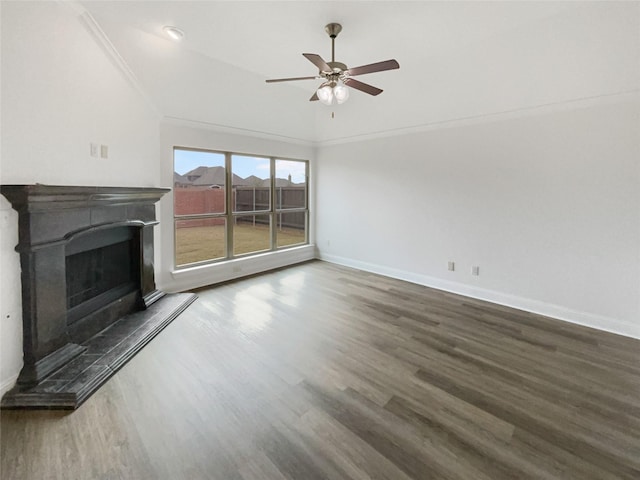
<point>101,267</point>
<point>89,300</point>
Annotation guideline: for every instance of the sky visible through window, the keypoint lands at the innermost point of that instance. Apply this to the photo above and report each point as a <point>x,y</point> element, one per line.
<point>187,160</point>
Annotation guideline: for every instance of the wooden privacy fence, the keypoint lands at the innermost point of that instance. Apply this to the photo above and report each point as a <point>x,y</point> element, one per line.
<point>207,200</point>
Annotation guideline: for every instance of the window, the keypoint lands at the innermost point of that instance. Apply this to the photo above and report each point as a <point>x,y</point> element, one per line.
<point>228,205</point>
<point>291,202</point>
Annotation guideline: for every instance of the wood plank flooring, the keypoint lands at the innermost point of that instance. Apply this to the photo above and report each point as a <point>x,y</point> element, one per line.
<point>324,372</point>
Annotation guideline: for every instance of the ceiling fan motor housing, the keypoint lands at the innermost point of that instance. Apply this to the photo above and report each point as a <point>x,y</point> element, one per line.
<point>337,66</point>
<point>333,29</point>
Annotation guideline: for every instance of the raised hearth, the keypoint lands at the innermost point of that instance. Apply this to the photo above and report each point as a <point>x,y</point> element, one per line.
<point>102,356</point>
<point>86,255</point>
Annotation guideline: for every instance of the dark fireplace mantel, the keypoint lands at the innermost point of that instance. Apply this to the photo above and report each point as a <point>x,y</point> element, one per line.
<point>52,222</point>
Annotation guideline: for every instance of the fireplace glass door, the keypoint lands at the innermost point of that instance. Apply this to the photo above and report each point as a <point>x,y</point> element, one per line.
<point>101,267</point>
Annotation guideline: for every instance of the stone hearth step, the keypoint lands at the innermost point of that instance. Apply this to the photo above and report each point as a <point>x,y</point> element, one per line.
<point>105,353</point>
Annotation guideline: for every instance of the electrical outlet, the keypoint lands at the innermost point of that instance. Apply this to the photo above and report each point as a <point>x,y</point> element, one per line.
<point>93,149</point>
<point>451,266</point>
<point>475,270</point>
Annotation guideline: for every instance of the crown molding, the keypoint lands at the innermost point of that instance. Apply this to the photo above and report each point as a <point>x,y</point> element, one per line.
<point>202,125</point>
<point>573,104</point>
<point>545,109</point>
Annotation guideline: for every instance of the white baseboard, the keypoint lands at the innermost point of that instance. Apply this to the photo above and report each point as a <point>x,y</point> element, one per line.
<point>558,312</point>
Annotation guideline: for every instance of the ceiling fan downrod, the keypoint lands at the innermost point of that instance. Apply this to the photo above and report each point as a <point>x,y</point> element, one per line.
<point>333,29</point>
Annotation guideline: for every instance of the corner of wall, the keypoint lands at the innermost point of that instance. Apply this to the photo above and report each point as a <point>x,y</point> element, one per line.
<point>10,299</point>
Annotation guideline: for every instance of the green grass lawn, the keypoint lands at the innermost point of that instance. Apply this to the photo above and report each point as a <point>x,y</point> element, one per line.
<point>196,244</point>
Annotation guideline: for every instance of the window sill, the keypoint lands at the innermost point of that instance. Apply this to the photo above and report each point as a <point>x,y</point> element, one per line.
<point>210,274</point>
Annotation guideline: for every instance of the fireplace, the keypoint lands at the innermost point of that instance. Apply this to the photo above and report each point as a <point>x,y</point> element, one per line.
<point>101,267</point>
<point>88,289</point>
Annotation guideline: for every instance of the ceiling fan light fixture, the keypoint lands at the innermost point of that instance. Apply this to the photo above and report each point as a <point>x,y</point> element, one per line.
<point>341,93</point>
<point>333,92</point>
<point>325,93</point>
<point>173,33</point>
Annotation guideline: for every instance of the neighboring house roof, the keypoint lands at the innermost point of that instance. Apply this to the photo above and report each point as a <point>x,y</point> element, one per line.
<point>196,173</point>
<point>177,178</point>
<point>210,176</point>
<point>215,176</point>
<point>283,182</point>
<point>254,181</point>
<point>204,176</point>
<point>241,182</point>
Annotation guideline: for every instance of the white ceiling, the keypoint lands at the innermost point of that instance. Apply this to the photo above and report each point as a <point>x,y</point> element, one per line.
<point>457,59</point>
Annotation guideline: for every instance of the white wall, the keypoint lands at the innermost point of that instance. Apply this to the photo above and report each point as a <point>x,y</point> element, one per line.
<point>546,203</point>
<point>179,134</point>
<point>61,91</point>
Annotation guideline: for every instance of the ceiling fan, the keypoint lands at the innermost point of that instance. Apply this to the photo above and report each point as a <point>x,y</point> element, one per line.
<point>337,75</point>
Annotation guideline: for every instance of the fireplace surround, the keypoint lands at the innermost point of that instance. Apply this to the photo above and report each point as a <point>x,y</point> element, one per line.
<point>89,300</point>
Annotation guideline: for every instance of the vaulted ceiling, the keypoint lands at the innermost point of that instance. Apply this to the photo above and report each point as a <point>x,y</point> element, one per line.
<point>457,59</point>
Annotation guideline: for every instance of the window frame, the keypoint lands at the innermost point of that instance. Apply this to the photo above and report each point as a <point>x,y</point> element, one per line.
<point>229,215</point>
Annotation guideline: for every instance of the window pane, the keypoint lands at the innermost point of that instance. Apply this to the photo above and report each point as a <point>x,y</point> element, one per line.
<point>198,240</point>
<point>291,184</point>
<point>291,228</point>
<point>251,233</point>
<point>198,181</point>
<point>251,183</point>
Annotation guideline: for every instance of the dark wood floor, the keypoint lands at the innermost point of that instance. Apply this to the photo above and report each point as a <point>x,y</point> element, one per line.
<point>320,371</point>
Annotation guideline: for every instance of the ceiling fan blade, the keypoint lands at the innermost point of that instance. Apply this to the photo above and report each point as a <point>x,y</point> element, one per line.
<point>318,62</point>
<point>373,67</point>
<point>363,87</point>
<point>314,97</point>
<point>291,79</point>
